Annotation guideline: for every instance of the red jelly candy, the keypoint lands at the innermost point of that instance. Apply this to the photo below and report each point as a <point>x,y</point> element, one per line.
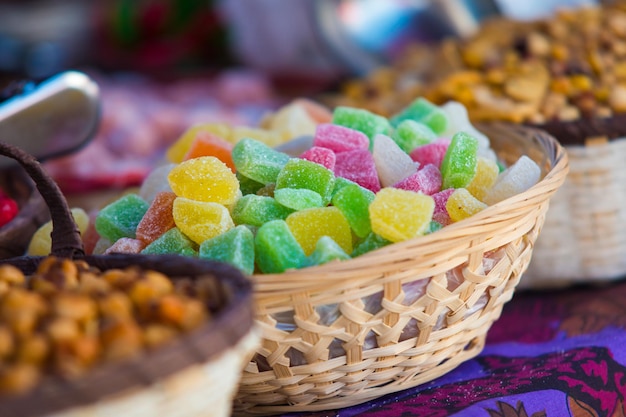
<point>8,210</point>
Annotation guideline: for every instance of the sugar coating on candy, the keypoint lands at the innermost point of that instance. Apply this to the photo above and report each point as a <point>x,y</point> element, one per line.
<point>201,220</point>
<point>121,217</point>
<point>460,122</point>
<point>392,163</point>
<point>298,198</point>
<point>300,173</point>
<point>155,182</point>
<point>462,204</point>
<point>339,138</point>
<point>440,214</point>
<point>353,201</point>
<point>158,219</point>
<point>399,215</point>
<point>235,247</point>
<point>247,185</point>
<point>410,134</point>
<point>371,242</point>
<point>257,161</point>
<point>323,156</point>
<point>209,144</point>
<point>431,153</point>
<point>423,111</point>
<point>517,178</point>
<point>177,151</point>
<point>291,120</point>
<point>433,227</point>
<point>458,167</point>
<point>487,172</point>
<point>255,210</point>
<point>307,226</point>
<point>126,245</point>
<point>41,243</point>
<point>204,179</point>
<point>171,242</point>
<point>426,180</point>
<point>277,250</point>
<point>327,250</point>
<point>362,120</point>
<point>358,166</point>
<point>268,137</point>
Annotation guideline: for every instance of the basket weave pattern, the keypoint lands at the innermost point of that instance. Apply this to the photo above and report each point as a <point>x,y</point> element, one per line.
<point>466,272</point>
<point>583,239</point>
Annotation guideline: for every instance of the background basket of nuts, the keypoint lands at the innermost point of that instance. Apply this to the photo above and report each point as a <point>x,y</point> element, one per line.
<point>107,335</point>
<point>566,75</point>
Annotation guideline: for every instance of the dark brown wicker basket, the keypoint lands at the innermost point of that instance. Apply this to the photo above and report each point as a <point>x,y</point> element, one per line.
<point>229,336</point>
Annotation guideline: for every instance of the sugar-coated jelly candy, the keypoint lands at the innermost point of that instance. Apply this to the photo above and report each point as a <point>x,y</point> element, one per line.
<point>433,227</point>
<point>371,242</point>
<point>309,225</point>
<point>462,204</point>
<point>126,245</point>
<point>171,242</point>
<point>358,166</point>
<point>235,247</point>
<point>460,122</point>
<point>177,151</point>
<point>41,244</point>
<point>431,153</point>
<point>291,120</point>
<point>440,213</point>
<point>459,164</point>
<point>410,134</point>
<point>362,120</point>
<point>209,144</point>
<point>300,173</point>
<point>392,163</point>
<point>255,210</point>
<point>276,249</point>
<point>353,201</point>
<point>487,171</point>
<point>326,250</point>
<point>121,217</point>
<point>298,198</point>
<point>257,161</point>
<point>399,215</point>
<point>158,219</point>
<point>426,180</point>
<point>323,156</point>
<point>204,179</point>
<point>423,111</point>
<point>201,220</point>
<point>269,137</point>
<point>517,178</point>
<point>155,182</point>
<point>247,185</point>
<point>339,138</point>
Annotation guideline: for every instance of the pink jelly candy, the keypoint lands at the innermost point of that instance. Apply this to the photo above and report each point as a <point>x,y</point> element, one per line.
<point>431,153</point>
<point>322,156</point>
<point>126,245</point>
<point>339,138</point>
<point>427,180</point>
<point>358,166</point>
<point>441,213</point>
<point>158,219</point>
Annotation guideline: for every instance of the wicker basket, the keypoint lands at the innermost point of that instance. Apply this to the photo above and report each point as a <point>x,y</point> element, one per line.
<point>347,332</point>
<point>15,235</point>
<point>195,375</point>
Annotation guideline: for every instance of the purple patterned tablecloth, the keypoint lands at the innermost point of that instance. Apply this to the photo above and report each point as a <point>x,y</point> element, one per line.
<point>551,354</point>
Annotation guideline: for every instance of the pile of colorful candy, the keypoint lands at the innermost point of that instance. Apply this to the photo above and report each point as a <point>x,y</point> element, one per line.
<point>366,181</point>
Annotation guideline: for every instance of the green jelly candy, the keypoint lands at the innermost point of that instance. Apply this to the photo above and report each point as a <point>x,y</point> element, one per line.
<point>277,250</point>
<point>433,227</point>
<point>298,198</point>
<point>370,243</point>
<point>172,241</point>
<point>256,210</point>
<point>257,161</point>
<point>120,218</point>
<point>341,182</point>
<point>353,201</point>
<point>235,247</point>
<point>362,120</point>
<point>423,111</point>
<point>247,185</point>
<point>326,250</point>
<point>410,134</point>
<point>459,163</point>
<point>300,173</point>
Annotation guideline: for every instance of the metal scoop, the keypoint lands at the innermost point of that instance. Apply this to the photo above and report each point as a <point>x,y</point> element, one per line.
<point>52,118</point>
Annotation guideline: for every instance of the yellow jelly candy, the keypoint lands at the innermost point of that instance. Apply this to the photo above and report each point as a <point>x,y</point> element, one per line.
<point>462,204</point>
<point>268,137</point>
<point>399,215</point>
<point>41,244</point>
<point>177,151</point>
<point>308,225</point>
<point>486,175</point>
<point>204,179</point>
<point>199,220</point>
<point>291,120</point>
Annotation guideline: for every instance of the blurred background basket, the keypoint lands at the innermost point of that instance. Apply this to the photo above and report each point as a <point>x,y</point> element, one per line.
<point>195,374</point>
<point>347,332</point>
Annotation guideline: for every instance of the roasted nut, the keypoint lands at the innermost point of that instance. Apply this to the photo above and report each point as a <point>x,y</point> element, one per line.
<point>12,275</point>
<point>115,305</point>
<point>157,334</point>
<point>32,350</point>
<point>121,339</point>
<point>18,378</point>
